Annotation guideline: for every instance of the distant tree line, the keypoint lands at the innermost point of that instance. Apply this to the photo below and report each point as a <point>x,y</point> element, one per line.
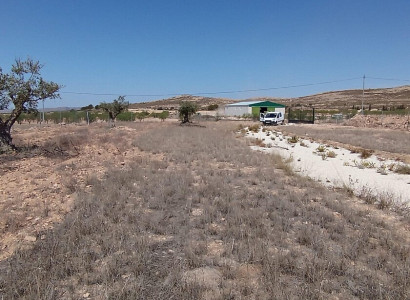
<point>74,116</point>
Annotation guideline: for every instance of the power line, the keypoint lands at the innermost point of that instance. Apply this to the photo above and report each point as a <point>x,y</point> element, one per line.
<point>214,93</point>
<point>388,79</point>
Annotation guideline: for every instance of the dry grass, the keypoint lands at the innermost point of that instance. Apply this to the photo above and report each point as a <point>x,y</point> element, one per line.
<point>368,138</point>
<point>365,153</point>
<point>402,169</point>
<point>203,217</point>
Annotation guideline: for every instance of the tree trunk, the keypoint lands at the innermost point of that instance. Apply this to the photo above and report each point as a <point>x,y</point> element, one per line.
<point>5,139</point>
<point>185,119</point>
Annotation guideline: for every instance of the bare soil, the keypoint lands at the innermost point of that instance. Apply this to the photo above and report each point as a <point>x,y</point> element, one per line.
<point>380,121</point>
<point>39,183</point>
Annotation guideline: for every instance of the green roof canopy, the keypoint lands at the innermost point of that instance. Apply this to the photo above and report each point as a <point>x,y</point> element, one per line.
<point>266,104</point>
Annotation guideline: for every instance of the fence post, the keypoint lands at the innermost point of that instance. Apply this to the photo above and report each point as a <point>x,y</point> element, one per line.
<point>313,121</point>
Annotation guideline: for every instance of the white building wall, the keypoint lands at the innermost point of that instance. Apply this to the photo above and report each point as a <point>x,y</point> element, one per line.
<point>280,109</point>
<point>237,110</point>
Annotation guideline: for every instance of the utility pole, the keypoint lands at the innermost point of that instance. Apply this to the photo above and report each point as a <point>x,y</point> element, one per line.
<point>364,77</point>
<point>43,111</point>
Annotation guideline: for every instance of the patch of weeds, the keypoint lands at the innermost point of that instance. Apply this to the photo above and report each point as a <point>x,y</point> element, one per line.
<point>348,190</point>
<point>385,201</point>
<point>331,154</point>
<point>259,143</point>
<point>254,128</point>
<point>402,169</point>
<point>367,195</point>
<point>293,140</point>
<point>364,164</point>
<point>365,153</point>
<point>382,170</point>
<point>321,149</point>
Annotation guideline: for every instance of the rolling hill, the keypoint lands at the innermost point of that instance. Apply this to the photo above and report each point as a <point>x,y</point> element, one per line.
<point>345,99</point>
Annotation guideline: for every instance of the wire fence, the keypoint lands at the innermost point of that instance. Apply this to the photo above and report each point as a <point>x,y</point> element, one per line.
<point>76,117</point>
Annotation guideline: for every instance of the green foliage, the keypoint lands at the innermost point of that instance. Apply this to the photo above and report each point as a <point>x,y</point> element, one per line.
<point>24,88</point>
<point>186,110</point>
<point>293,140</point>
<point>321,149</point>
<point>142,115</point>
<point>126,116</point>
<point>390,111</point>
<point>88,107</point>
<point>115,108</point>
<point>300,114</point>
<point>163,115</point>
<point>212,107</point>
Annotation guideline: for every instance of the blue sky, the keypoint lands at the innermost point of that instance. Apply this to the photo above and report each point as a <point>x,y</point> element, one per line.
<point>176,47</point>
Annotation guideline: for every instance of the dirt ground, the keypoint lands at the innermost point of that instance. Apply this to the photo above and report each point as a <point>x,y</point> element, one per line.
<point>38,185</point>
<point>35,194</point>
<point>384,142</point>
<point>377,121</point>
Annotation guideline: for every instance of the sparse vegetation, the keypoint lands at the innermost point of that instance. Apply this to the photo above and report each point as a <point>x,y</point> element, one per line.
<point>331,154</point>
<point>367,138</point>
<point>293,140</point>
<point>364,164</point>
<point>197,215</point>
<point>114,108</point>
<point>365,153</point>
<point>212,107</point>
<point>254,128</point>
<point>402,169</point>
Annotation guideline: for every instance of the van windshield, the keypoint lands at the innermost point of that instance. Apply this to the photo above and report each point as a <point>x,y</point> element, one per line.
<point>270,115</point>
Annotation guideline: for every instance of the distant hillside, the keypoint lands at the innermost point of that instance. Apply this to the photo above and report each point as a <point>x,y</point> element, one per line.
<point>7,111</point>
<point>377,98</point>
<point>173,103</point>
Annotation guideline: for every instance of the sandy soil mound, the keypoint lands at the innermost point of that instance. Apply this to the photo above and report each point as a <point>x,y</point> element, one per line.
<point>392,122</point>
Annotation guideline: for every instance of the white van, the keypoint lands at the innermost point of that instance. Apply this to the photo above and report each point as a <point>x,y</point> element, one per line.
<point>272,118</point>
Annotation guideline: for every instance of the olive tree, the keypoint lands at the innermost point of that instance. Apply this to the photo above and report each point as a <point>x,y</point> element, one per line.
<point>23,87</point>
<point>114,108</point>
<point>186,110</point>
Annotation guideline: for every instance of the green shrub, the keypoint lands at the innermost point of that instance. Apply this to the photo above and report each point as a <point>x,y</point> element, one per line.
<point>293,140</point>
